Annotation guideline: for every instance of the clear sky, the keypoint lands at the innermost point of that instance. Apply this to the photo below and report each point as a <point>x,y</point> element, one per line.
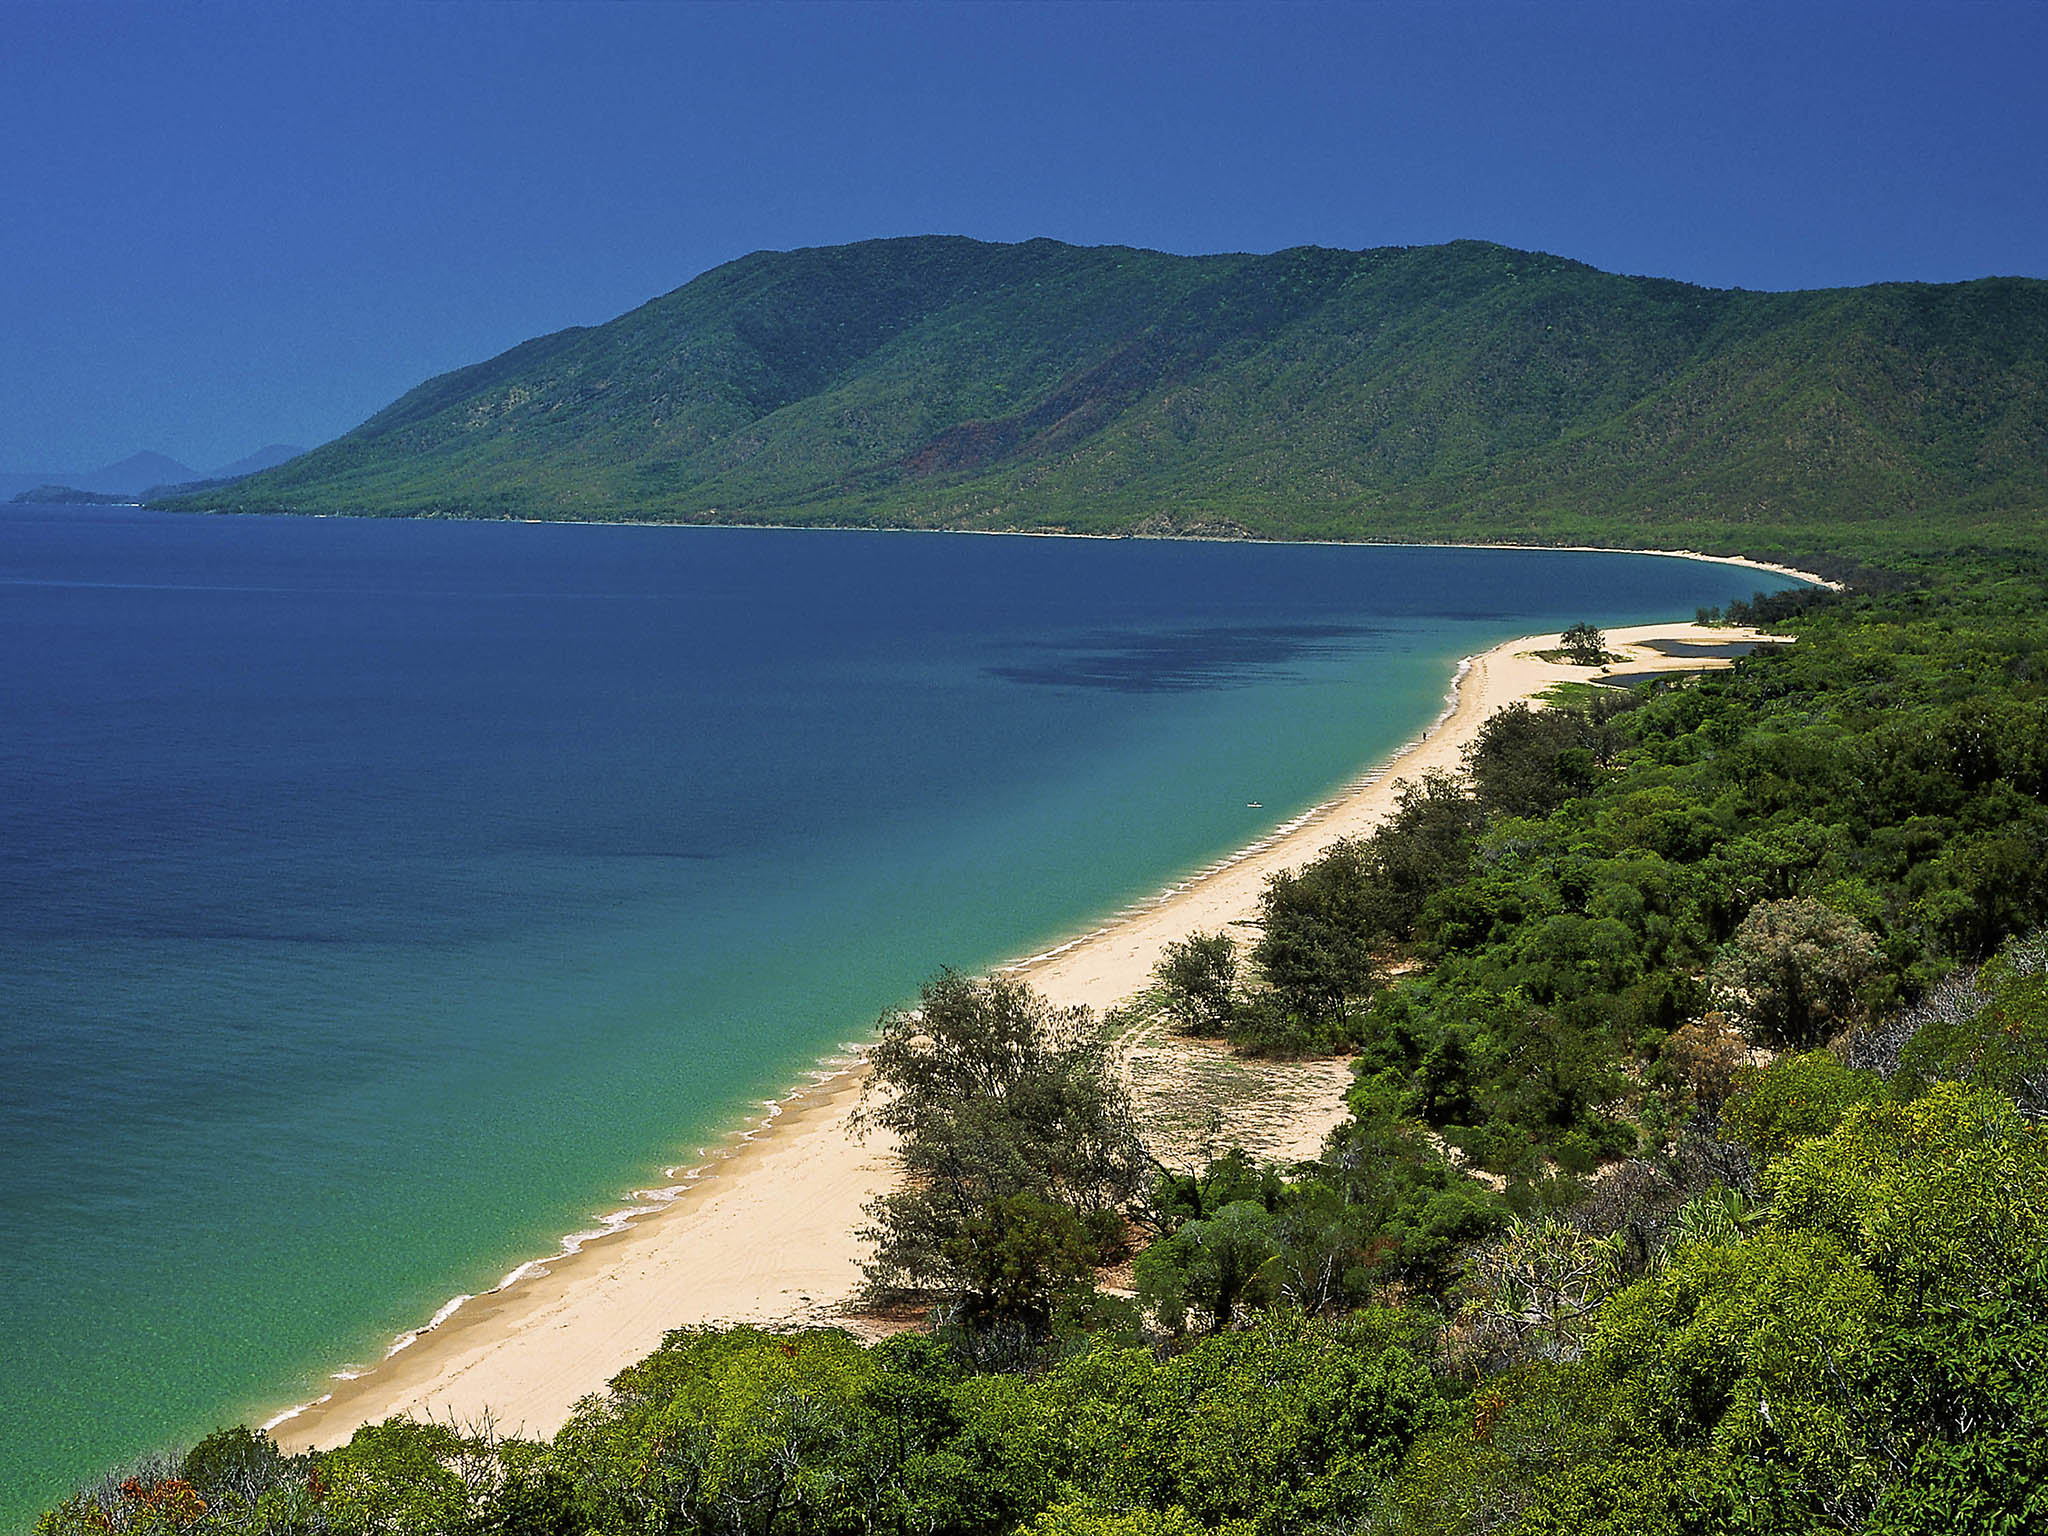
<point>223,226</point>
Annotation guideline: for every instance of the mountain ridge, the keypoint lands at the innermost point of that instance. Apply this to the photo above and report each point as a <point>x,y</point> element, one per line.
<point>146,473</point>
<point>1457,390</point>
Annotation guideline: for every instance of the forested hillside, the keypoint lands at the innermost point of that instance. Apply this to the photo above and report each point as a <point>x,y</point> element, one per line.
<point>1462,391</point>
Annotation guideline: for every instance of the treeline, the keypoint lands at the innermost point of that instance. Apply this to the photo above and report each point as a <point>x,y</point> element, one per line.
<point>1696,1181</point>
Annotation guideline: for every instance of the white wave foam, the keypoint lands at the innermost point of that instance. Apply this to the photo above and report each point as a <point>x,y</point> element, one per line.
<point>292,1413</point>
<point>846,1056</point>
<point>448,1309</point>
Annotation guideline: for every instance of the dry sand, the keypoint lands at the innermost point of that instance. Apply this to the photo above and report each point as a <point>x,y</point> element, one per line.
<point>767,1234</point>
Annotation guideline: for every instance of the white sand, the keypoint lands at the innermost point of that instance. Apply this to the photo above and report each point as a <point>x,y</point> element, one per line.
<point>768,1235</point>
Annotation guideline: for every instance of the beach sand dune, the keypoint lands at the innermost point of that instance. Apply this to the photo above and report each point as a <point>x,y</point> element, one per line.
<point>767,1235</point>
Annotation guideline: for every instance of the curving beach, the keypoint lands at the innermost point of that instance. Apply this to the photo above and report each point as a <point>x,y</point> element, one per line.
<point>766,1234</point>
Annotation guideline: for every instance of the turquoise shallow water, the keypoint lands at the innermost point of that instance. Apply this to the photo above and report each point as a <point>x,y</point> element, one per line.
<point>381,901</point>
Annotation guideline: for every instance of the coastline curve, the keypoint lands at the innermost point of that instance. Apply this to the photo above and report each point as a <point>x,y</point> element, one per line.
<point>761,1229</point>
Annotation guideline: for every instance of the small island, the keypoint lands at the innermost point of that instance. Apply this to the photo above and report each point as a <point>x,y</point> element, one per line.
<point>66,495</point>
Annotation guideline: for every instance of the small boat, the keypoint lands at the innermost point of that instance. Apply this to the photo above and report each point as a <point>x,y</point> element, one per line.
<point>1255,805</point>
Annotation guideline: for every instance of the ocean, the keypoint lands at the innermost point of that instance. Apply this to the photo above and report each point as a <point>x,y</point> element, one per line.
<point>381,901</point>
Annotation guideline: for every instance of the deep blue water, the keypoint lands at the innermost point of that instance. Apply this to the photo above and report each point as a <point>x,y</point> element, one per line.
<point>380,900</point>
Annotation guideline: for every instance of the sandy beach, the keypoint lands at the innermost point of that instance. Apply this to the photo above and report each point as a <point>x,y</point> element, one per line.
<point>767,1233</point>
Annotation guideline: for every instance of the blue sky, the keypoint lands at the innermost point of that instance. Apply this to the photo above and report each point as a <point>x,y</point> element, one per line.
<point>222,226</point>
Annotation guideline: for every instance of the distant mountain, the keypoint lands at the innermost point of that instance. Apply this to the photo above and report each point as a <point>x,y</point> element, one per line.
<point>134,474</point>
<point>152,474</point>
<point>263,458</point>
<point>1453,391</point>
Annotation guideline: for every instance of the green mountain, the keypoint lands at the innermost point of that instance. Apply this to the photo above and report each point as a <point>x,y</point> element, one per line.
<point>1453,391</point>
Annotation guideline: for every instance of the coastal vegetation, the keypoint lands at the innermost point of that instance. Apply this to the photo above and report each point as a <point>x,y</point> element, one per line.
<point>1463,391</point>
<point>1696,1176</point>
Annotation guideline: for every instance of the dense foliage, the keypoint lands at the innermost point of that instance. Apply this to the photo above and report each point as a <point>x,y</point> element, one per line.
<point>1457,391</point>
<point>1697,1179</point>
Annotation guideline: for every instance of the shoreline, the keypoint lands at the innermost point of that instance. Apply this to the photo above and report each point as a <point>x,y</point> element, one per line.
<point>1747,562</point>
<point>762,1228</point>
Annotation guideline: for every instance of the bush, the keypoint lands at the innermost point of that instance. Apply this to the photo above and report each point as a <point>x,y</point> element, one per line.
<point>1794,1100</point>
<point>1792,971</point>
<point>1198,975</point>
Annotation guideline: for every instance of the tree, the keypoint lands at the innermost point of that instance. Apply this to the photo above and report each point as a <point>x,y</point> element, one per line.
<point>1793,1100</point>
<point>1396,1185</point>
<point>731,1432</point>
<point>1541,1286</point>
<point>1944,1196</point>
<point>1993,1031</point>
<point>1289,1425</point>
<point>1316,947</point>
<point>1017,1257</point>
<point>1583,645</point>
<point>1198,1194</point>
<point>1326,1248</point>
<point>1210,1267</point>
<point>1528,762</point>
<point>1325,924</point>
<point>1018,1144</point>
<point>1871,1359</point>
<point>1705,1053</point>
<point>535,1502</point>
<point>239,1464</point>
<point>1793,969</point>
<point>1199,977</point>
<point>399,1476</point>
<point>1988,886</point>
<point>1424,847</point>
<point>1084,1520</point>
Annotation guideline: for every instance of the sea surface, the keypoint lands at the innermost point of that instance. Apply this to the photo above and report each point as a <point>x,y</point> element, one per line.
<point>381,901</point>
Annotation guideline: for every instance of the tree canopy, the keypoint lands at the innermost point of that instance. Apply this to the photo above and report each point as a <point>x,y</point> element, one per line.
<point>1017,1144</point>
